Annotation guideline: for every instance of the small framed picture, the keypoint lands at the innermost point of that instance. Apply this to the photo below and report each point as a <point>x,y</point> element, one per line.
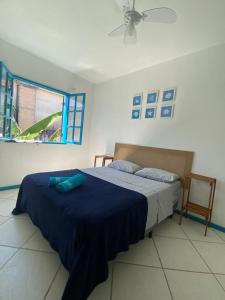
<point>152,97</point>
<point>136,114</point>
<point>167,111</point>
<point>169,95</point>
<point>137,99</point>
<point>150,113</point>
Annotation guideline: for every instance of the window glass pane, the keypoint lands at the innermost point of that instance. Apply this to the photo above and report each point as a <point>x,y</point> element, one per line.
<point>80,100</point>
<point>3,82</point>
<point>78,118</point>
<point>77,135</point>
<point>10,85</point>
<point>7,127</point>
<point>72,103</point>
<point>71,119</point>
<point>70,134</point>
<point>2,103</point>
<point>7,112</point>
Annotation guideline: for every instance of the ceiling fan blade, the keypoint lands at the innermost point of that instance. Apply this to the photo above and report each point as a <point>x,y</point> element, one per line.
<point>160,15</point>
<point>124,5</point>
<point>118,31</point>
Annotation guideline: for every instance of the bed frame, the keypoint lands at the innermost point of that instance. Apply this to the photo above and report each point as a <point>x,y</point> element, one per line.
<point>176,161</point>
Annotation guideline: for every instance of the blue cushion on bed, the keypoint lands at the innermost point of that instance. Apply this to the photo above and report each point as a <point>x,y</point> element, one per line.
<point>56,180</point>
<point>71,183</point>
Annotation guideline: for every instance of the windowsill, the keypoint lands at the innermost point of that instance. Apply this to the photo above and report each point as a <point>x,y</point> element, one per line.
<point>36,142</point>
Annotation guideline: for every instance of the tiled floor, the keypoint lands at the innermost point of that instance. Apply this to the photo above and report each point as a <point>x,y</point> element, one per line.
<point>179,263</point>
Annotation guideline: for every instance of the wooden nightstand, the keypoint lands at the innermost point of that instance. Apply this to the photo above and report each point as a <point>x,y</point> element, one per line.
<point>104,157</point>
<point>187,205</point>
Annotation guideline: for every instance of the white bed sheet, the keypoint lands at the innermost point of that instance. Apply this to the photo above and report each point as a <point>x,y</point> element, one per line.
<point>161,196</point>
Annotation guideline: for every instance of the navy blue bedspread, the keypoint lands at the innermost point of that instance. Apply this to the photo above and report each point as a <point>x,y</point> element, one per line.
<point>87,226</point>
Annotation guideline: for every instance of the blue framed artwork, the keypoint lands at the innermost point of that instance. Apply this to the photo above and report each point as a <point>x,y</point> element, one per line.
<point>150,113</point>
<point>169,95</point>
<point>152,97</point>
<point>136,114</point>
<point>137,100</point>
<point>167,111</point>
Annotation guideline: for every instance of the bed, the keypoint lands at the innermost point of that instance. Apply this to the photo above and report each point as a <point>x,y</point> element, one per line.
<point>90,225</point>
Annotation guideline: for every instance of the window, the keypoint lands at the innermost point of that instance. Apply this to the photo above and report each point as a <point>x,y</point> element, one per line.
<point>35,107</point>
<point>33,112</point>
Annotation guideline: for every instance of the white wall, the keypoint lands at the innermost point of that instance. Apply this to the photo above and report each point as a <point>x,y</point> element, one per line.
<point>199,120</point>
<point>17,160</point>
<point>198,124</point>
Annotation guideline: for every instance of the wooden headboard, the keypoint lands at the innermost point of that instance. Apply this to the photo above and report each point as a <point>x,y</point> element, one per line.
<point>177,161</point>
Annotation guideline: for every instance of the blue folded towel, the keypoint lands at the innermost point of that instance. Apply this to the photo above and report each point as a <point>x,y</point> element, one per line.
<point>56,180</point>
<point>71,183</point>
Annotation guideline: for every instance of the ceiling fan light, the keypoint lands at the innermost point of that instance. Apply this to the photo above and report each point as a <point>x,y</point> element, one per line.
<point>130,35</point>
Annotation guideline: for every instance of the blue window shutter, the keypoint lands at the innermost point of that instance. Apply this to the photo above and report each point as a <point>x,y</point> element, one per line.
<point>75,118</point>
<point>6,101</point>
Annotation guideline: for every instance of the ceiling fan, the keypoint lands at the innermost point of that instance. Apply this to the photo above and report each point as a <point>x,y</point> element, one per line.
<point>133,18</point>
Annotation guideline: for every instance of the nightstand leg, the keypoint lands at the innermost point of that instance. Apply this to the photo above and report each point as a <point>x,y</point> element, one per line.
<point>206,228</point>
<point>182,204</point>
<point>207,224</point>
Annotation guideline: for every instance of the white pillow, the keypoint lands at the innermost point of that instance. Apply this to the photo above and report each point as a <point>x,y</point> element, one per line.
<point>125,166</point>
<point>157,174</point>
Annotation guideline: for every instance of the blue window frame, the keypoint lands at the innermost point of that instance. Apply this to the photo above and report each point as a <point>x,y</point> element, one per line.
<point>73,109</point>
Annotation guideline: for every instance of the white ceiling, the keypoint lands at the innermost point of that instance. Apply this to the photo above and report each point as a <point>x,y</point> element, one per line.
<point>73,33</point>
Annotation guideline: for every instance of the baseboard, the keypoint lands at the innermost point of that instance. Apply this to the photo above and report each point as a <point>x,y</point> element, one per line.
<point>9,187</point>
<point>202,221</point>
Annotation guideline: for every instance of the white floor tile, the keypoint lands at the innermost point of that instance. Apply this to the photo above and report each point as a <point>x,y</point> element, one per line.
<point>221,279</point>
<point>194,286</point>
<point>134,282</point>
<point>6,207</point>
<point>5,254</point>
<point>3,219</point>
<point>179,254</point>
<point>103,291</point>
<point>7,194</point>
<point>24,216</point>
<point>28,275</point>
<point>15,194</point>
<point>38,242</point>
<point>169,228</point>
<point>15,232</point>
<point>58,285</point>
<point>195,231</point>
<point>142,253</point>
<point>213,254</point>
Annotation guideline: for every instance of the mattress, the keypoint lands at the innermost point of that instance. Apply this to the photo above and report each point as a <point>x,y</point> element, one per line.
<point>161,196</point>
